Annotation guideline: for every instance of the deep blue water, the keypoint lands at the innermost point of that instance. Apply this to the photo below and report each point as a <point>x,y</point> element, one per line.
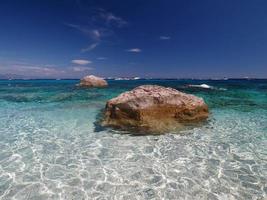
<point>52,148</point>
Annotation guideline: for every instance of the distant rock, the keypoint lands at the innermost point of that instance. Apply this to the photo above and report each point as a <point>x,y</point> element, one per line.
<point>154,109</point>
<point>92,81</point>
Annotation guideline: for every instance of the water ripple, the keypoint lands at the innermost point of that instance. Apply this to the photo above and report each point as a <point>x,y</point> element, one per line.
<point>51,151</point>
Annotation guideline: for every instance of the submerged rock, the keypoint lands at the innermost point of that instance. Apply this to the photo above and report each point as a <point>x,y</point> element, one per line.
<point>154,108</point>
<point>93,81</point>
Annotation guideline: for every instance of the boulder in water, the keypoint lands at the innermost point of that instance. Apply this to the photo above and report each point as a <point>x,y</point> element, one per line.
<point>93,81</point>
<point>154,109</point>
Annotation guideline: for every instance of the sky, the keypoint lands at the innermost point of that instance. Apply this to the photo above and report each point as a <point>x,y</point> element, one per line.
<point>123,38</point>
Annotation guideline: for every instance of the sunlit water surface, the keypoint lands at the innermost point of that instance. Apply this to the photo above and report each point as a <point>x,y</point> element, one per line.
<point>53,148</point>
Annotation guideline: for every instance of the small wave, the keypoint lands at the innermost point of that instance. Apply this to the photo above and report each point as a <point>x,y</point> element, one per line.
<point>205,86</point>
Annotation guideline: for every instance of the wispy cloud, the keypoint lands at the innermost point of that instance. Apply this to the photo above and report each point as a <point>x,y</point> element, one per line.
<point>81,62</point>
<point>112,19</point>
<point>101,25</point>
<point>101,58</point>
<point>90,47</point>
<point>134,50</point>
<point>29,70</point>
<point>94,34</point>
<point>81,69</point>
<point>165,37</point>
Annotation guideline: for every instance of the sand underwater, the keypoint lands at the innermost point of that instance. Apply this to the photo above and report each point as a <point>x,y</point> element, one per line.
<point>53,148</point>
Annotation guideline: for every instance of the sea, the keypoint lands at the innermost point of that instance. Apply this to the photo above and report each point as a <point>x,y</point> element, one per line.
<point>52,144</point>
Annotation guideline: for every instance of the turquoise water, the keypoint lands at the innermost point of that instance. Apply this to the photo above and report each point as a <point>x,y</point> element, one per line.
<point>52,146</point>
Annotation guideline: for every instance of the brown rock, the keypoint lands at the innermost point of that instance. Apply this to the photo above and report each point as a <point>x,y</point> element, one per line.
<point>154,108</point>
<point>93,81</point>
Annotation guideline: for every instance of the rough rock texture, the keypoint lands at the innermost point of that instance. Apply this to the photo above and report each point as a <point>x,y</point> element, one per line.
<point>93,81</point>
<point>154,108</point>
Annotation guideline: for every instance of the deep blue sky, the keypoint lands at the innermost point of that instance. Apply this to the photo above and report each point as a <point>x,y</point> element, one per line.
<point>151,38</point>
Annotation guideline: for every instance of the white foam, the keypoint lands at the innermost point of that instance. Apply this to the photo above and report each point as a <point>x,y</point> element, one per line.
<point>205,86</point>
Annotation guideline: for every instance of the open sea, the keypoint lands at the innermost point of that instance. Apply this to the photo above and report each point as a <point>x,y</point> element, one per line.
<point>52,146</point>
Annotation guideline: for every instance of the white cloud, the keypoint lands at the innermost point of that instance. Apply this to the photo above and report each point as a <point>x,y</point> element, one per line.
<point>135,50</point>
<point>165,37</point>
<point>81,62</point>
<point>81,69</point>
<point>90,48</point>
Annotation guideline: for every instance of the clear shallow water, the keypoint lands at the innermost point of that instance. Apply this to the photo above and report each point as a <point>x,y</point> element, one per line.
<point>52,148</point>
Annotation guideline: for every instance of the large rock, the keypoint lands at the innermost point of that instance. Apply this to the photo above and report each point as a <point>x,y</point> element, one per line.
<point>154,109</point>
<point>93,81</point>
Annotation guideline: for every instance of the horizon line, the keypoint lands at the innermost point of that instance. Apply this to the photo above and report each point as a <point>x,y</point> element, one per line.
<point>132,78</point>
